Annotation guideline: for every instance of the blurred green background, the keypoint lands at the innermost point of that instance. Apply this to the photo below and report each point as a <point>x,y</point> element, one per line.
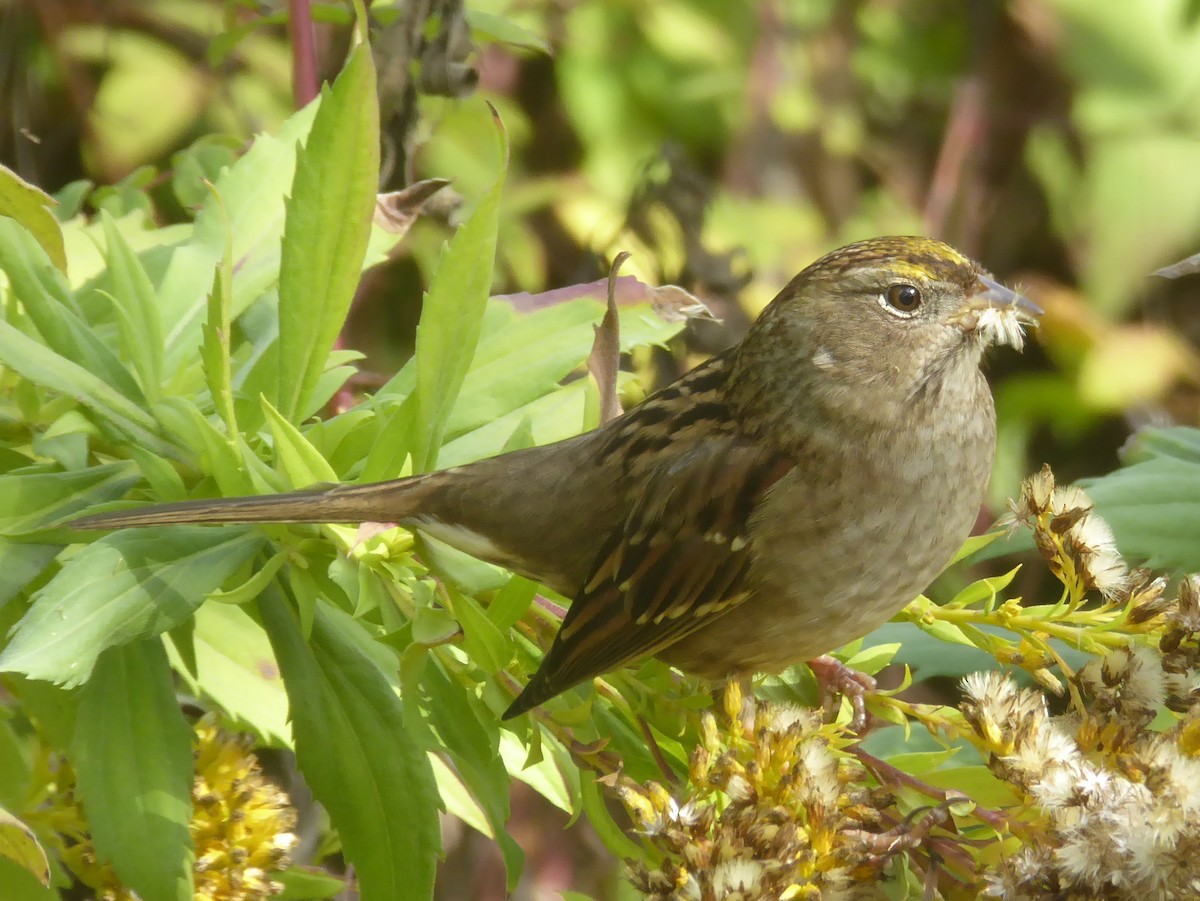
<point>726,146</point>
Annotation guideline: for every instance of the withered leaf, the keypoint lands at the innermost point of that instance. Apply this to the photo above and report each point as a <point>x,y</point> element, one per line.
<point>605,359</point>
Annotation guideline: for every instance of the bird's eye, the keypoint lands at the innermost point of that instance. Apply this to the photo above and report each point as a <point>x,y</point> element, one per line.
<point>902,299</point>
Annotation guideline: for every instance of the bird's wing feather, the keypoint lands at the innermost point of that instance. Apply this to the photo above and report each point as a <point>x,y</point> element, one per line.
<point>678,560</point>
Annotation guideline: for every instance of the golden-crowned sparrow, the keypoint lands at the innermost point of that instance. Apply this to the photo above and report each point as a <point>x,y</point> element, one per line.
<point>787,496</point>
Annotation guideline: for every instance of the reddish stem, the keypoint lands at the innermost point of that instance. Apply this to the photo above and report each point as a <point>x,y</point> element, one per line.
<point>890,775</point>
<point>304,52</point>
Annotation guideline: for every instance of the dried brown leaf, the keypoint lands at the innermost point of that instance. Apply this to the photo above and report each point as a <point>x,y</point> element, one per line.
<point>604,362</point>
<point>396,211</point>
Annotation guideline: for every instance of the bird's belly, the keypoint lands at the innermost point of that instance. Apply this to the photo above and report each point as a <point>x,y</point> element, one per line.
<point>835,569</point>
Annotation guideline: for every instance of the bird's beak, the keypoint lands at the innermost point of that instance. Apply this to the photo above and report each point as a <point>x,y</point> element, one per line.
<point>997,314</point>
<point>996,296</point>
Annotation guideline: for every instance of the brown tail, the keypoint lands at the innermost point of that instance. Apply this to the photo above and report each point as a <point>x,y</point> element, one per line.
<point>375,502</point>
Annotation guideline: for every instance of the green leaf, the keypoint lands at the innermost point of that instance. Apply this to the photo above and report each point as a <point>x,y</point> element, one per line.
<point>253,586</point>
<point>973,544</point>
<point>356,754</point>
<point>304,884</point>
<point>164,480</point>
<point>558,784</point>
<point>31,500</point>
<point>452,316</point>
<point>1181,442</point>
<point>51,707</point>
<point>471,735</point>
<point>20,845</point>
<point>20,885</point>
<point>469,731</point>
<point>246,210</point>
<point>390,453</point>
<point>600,818</point>
<point>916,613</point>
<point>214,346</point>
<point>21,564</point>
<point>433,625</point>
<point>29,205</point>
<point>1154,510</point>
<point>47,369</point>
<point>919,763</point>
<point>469,573</point>
<point>236,668</point>
<point>978,783</point>
<point>983,589</point>
<point>16,774</point>
<point>47,300</point>
<point>301,461</point>
<point>488,647</point>
<point>137,307</point>
<point>196,168</point>
<point>552,417</point>
<point>457,798</point>
<point>928,656</point>
<point>227,458</point>
<point>132,752</point>
<point>129,585</point>
<point>328,226</point>
<point>501,30</point>
<point>70,198</point>
<point>511,602</point>
<point>523,356</point>
<point>872,659</point>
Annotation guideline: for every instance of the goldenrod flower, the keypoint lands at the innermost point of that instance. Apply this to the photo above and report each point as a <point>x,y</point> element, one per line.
<point>1116,805</point>
<point>773,810</point>
<point>1076,542</point>
<point>241,825</point>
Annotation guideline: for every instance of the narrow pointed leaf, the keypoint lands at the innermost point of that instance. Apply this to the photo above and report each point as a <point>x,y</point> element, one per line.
<point>132,752</point>
<point>32,500</point>
<point>328,225</point>
<point>451,318</point>
<point>355,752</point>
<point>47,300</point>
<point>137,302</point>
<point>301,461</point>
<point>45,368</point>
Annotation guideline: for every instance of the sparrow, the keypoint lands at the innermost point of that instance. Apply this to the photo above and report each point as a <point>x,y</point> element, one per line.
<point>779,500</point>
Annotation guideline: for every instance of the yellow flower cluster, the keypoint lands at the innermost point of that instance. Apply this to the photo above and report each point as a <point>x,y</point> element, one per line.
<point>775,811</point>
<point>240,827</point>
<point>241,823</point>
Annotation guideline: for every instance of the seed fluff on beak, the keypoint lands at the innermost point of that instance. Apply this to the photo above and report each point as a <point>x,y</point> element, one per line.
<point>998,315</point>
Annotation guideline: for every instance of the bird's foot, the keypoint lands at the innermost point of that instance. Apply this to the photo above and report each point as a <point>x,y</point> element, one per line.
<point>835,678</point>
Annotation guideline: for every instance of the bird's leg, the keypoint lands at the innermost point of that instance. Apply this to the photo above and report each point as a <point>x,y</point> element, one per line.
<point>834,678</point>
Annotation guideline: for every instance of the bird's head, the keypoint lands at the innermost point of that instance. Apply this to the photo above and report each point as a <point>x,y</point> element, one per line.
<point>880,325</point>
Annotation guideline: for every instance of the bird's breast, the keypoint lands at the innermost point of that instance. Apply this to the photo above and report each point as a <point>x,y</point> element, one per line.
<point>853,533</point>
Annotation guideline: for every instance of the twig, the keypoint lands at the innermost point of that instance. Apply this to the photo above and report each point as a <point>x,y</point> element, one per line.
<point>890,775</point>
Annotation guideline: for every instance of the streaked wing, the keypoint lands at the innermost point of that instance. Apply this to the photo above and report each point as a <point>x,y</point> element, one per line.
<point>679,560</point>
